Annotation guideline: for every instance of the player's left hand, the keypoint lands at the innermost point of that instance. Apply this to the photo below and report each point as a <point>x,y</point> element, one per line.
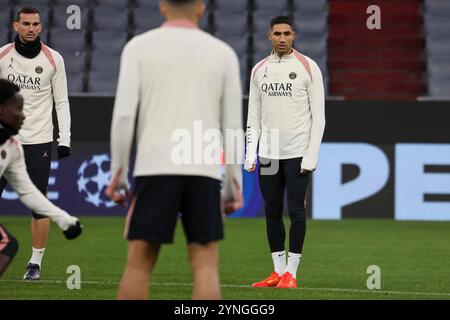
<point>64,152</point>
<point>116,190</point>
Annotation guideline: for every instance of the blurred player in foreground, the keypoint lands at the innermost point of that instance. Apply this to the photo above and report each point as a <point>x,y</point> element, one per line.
<point>286,105</point>
<point>13,168</point>
<point>178,76</point>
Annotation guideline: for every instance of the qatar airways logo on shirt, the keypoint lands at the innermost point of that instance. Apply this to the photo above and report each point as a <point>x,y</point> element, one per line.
<point>277,89</point>
<point>25,82</point>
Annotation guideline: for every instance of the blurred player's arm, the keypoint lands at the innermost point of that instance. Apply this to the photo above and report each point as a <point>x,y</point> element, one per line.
<point>253,131</point>
<point>17,176</point>
<point>8,248</point>
<point>317,104</point>
<point>60,96</point>
<point>233,150</point>
<point>123,120</point>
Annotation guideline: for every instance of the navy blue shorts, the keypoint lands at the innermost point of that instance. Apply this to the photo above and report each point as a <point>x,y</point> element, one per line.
<point>159,201</point>
<point>38,159</point>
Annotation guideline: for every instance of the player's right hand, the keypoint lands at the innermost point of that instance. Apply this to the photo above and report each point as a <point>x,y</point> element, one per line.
<point>249,166</point>
<point>231,203</point>
<point>117,191</point>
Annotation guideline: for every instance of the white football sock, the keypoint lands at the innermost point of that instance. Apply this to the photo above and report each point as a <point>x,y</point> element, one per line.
<point>279,262</point>
<point>293,262</point>
<point>37,256</point>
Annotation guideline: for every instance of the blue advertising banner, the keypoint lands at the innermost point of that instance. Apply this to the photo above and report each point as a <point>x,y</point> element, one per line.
<point>370,165</point>
<point>77,184</point>
<point>404,181</point>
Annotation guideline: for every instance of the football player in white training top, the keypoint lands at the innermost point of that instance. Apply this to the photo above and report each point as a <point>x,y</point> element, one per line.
<point>40,74</point>
<point>13,168</point>
<point>286,120</point>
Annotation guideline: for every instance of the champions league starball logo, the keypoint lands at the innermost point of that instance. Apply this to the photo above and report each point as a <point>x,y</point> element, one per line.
<point>93,178</point>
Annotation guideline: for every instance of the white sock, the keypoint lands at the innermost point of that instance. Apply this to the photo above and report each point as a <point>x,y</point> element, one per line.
<point>293,262</point>
<point>37,256</point>
<point>279,262</point>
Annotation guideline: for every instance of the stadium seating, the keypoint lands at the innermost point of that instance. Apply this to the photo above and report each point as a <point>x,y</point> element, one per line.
<point>5,3</point>
<point>145,19</point>
<point>272,6</point>
<point>243,24</point>
<point>75,63</point>
<point>35,3</point>
<point>102,82</point>
<point>238,43</point>
<point>92,59</point>
<point>437,26</point>
<point>150,5</point>
<point>236,6</point>
<point>4,36</point>
<point>60,16</point>
<point>67,41</point>
<point>309,8</point>
<point>311,27</point>
<point>75,83</point>
<point>5,19</point>
<point>66,3</point>
<point>376,64</point>
<point>111,19</point>
<point>120,5</point>
<point>230,24</point>
<point>104,62</point>
<point>5,23</point>
<point>102,41</point>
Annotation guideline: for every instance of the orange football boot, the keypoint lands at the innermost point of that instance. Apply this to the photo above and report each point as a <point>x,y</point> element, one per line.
<point>287,281</point>
<point>270,281</point>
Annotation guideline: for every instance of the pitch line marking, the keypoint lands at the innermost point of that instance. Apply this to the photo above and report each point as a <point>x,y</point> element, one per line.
<point>244,287</point>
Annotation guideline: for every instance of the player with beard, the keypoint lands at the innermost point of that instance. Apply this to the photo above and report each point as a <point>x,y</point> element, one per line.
<point>39,72</point>
<point>286,120</point>
<point>13,168</point>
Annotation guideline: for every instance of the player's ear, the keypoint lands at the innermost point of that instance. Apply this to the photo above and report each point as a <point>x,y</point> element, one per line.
<point>16,26</point>
<point>200,10</point>
<point>163,8</point>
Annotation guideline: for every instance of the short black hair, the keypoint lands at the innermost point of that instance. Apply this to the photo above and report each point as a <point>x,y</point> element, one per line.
<point>7,90</point>
<point>26,10</point>
<point>280,20</point>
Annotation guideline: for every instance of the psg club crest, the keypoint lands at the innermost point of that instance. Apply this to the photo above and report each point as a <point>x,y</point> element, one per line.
<point>292,75</point>
<point>39,69</point>
<point>3,154</point>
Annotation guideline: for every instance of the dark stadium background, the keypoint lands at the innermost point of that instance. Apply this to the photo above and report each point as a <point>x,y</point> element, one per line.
<point>384,87</point>
<point>385,155</point>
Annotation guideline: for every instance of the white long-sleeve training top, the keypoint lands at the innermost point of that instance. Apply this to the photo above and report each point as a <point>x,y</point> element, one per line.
<point>42,81</point>
<point>182,84</point>
<point>13,168</point>
<point>286,113</point>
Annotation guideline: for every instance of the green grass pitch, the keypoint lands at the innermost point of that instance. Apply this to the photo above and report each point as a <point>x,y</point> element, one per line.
<point>414,258</point>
